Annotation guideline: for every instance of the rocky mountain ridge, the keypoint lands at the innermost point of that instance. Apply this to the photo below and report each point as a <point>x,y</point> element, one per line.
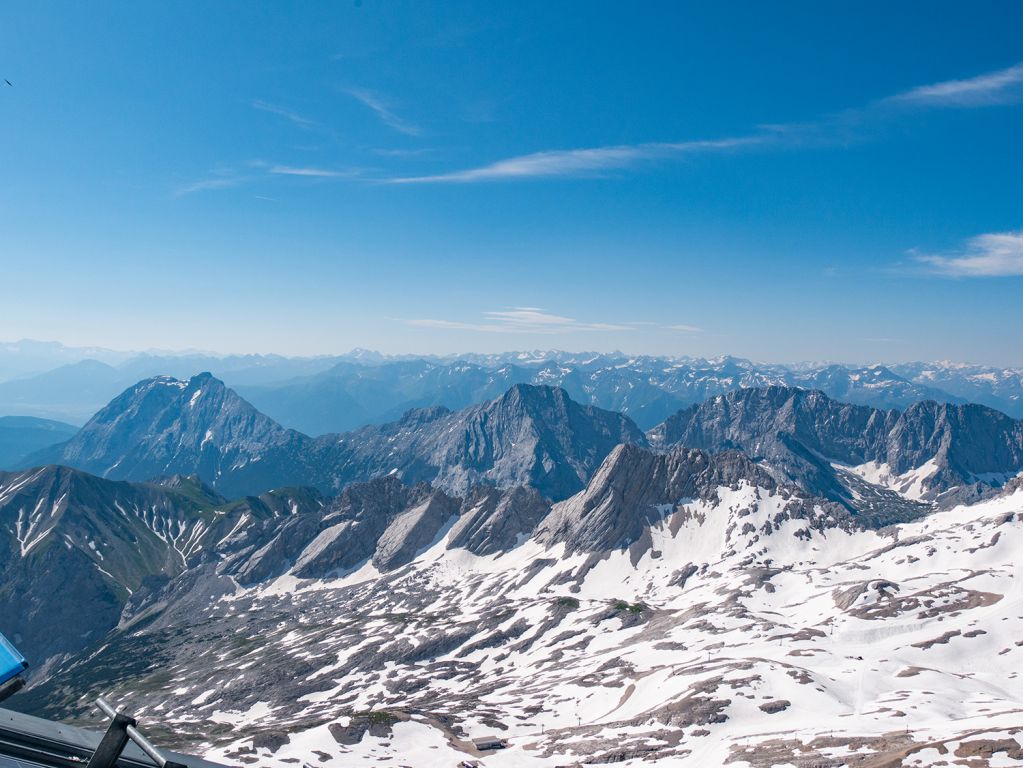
<point>534,436</point>
<point>119,542</point>
<point>931,452</point>
<point>629,620</point>
<point>886,465</point>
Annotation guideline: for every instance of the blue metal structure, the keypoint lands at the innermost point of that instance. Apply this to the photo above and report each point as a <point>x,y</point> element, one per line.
<point>12,663</point>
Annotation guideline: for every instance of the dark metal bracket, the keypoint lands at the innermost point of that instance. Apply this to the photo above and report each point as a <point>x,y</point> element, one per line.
<point>120,731</point>
<point>11,687</point>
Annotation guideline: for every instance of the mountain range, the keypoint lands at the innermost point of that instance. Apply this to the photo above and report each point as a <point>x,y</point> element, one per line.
<point>887,465</point>
<point>76,546</point>
<point>327,394</point>
<point>528,565</point>
<point>534,436</point>
<point>171,468</point>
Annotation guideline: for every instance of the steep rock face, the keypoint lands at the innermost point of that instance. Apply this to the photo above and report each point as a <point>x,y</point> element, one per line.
<point>414,530</point>
<point>383,521</point>
<point>73,547</point>
<point>495,521</point>
<point>534,436</point>
<point>799,435</point>
<point>635,488</point>
<point>752,419</point>
<point>336,538</point>
<point>967,441</point>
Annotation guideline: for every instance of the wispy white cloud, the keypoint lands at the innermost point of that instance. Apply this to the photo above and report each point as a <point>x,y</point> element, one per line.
<point>287,114</point>
<point>997,254</point>
<point>529,320</point>
<point>319,173</point>
<point>1004,86</point>
<point>1001,87</point>
<point>255,171</point>
<point>581,162</point>
<point>383,111</point>
<point>223,179</point>
<point>392,152</point>
<point>681,327</point>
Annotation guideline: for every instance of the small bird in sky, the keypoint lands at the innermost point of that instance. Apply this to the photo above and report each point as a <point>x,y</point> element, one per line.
<point>9,82</point>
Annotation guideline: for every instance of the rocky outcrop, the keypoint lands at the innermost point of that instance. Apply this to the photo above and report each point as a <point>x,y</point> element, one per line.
<point>338,537</point>
<point>495,521</point>
<point>414,531</point>
<point>636,487</point>
<point>799,434</point>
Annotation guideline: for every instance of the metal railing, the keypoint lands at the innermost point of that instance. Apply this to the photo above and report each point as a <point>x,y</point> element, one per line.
<point>120,731</point>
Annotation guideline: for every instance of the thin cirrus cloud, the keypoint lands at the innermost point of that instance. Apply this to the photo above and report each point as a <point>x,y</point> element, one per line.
<point>996,254</point>
<point>287,114</point>
<point>316,173</point>
<point>1000,87</point>
<point>682,328</point>
<point>217,178</point>
<point>521,320</point>
<point>204,185</point>
<point>259,170</point>
<point>387,116</point>
<point>581,162</point>
<point>1003,86</point>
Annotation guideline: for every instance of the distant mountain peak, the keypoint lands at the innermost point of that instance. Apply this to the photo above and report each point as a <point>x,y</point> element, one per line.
<point>889,464</point>
<point>167,426</point>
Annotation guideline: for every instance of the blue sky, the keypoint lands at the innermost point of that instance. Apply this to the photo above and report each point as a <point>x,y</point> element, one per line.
<point>780,181</point>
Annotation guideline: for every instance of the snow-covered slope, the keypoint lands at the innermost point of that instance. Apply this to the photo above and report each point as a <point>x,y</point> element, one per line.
<point>749,626</point>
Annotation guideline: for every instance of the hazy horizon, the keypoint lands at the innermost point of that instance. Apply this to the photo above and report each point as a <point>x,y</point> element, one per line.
<point>100,350</point>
